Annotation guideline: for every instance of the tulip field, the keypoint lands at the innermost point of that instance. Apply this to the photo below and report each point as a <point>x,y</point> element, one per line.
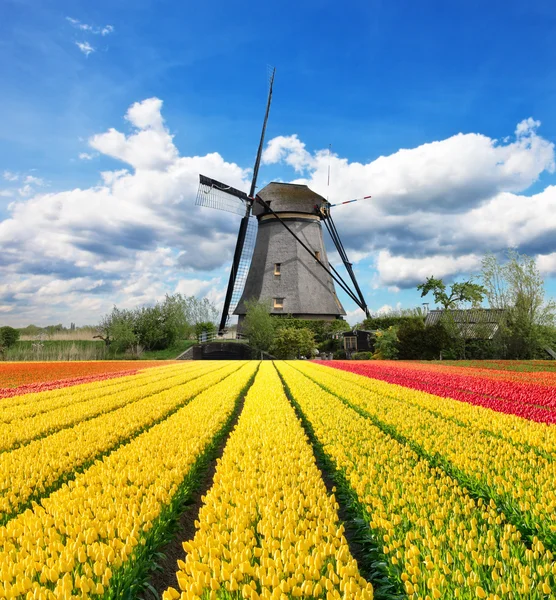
<point>340,479</point>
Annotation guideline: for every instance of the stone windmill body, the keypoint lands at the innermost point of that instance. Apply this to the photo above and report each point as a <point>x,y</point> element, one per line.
<point>282,271</point>
<point>280,256</point>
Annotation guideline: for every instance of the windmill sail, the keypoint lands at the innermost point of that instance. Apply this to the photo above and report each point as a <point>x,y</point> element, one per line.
<point>244,262</point>
<point>215,194</point>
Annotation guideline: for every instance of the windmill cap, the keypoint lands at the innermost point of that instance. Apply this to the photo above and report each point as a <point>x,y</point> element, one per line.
<point>288,197</point>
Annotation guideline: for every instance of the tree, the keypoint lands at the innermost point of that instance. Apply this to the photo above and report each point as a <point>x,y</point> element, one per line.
<point>291,342</point>
<point>460,292</point>
<point>258,325</point>
<point>8,338</point>
<point>517,287</point>
<point>386,345</point>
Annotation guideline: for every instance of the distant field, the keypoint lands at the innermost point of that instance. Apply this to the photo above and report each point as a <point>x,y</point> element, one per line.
<point>78,334</point>
<point>83,350</point>
<point>57,350</point>
<point>503,365</point>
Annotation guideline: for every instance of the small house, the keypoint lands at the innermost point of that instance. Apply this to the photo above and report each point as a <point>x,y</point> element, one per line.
<point>358,340</point>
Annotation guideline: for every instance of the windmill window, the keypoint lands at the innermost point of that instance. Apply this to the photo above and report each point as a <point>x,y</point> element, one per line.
<point>277,268</point>
<point>278,302</point>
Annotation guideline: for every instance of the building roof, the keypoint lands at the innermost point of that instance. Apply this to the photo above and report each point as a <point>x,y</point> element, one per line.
<point>288,197</point>
<point>473,323</point>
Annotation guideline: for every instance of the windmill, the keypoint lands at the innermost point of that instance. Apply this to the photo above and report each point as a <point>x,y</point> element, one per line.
<point>280,252</point>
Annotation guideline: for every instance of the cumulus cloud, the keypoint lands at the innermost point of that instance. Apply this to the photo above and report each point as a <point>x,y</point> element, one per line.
<point>137,234</point>
<point>433,207</point>
<point>130,239</point>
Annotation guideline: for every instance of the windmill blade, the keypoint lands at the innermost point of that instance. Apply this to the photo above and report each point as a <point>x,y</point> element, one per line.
<point>215,194</point>
<point>244,262</point>
<point>350,201</point>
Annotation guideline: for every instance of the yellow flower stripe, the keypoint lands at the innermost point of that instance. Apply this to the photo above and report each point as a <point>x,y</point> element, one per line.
<point>29,471</point>
<point>42,402</point>
<point>23,430</point>
<point>72,544</point>
<point>268,528</point>
<point>439,541</point>
<point>508,473</point>
<point>511,427</point>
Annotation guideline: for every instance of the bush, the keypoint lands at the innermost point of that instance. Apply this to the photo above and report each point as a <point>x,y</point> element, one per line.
<point>8,337</point>
<point>340,355</point>
<point>290,342</point>
<point>362,356</point>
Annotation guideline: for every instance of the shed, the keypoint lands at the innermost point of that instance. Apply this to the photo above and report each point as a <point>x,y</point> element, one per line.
<point>473,323</point>
<point>358,340</point>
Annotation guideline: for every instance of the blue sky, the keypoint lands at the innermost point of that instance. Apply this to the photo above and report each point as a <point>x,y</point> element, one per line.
<point>395,80</point>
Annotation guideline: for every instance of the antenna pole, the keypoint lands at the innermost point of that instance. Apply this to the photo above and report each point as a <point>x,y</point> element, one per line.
<point>244,222</point>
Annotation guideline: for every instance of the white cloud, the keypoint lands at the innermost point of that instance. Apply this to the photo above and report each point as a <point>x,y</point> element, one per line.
<point>32,180</point>
<point>6,193</point>
<point>395,269</point>
<point>9,176</point>
<point>137,234</point>
<point>131,239</point>
<point>85,156</point>
<point>289,149</point>
<point>106,30</point>
<point>85,47</point>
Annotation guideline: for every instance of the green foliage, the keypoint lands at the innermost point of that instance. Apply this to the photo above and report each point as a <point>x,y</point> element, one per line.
<point>8,337</point>
<point>460,292</point>
<point>322,330</point>
<point>390,320</point>
<point>291,342</point>
<point>362,356</point>
<point>204,327</point>
<point>340,355</point>
<point>158,327</point>
<point>386,345</point>
<point>258,325</point>
<point>517,286</point>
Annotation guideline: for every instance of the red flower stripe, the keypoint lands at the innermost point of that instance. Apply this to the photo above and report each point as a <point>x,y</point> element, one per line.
<point>61,383</point>
<point>532,403</point>
<point>18,374</point>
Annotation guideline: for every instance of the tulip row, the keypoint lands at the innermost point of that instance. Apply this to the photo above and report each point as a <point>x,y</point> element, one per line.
<point>439,542</point>
<point>516,478</point>
<point>33,388</point>
<point>463,380</point>
<point>36,469</point>
<point>528,401</point>
<point>15,374</point>
<point>521,432</point>
<point>510,366</point>
<point>34,404</point>
<point>268,528</point>
<point>95,386</point>
<point>96,531</point>
<point>20,431</point>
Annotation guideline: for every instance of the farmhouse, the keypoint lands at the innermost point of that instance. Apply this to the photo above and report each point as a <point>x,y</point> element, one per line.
<point>473,323</point>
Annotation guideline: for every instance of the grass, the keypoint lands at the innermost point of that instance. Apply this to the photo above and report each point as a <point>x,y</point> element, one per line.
<point>47,350</point>
<point>168,353</point>
<point>51,350</point>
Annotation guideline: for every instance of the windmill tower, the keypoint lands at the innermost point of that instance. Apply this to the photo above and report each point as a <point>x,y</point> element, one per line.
<point>282,271</point>
<point>280,254</point>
